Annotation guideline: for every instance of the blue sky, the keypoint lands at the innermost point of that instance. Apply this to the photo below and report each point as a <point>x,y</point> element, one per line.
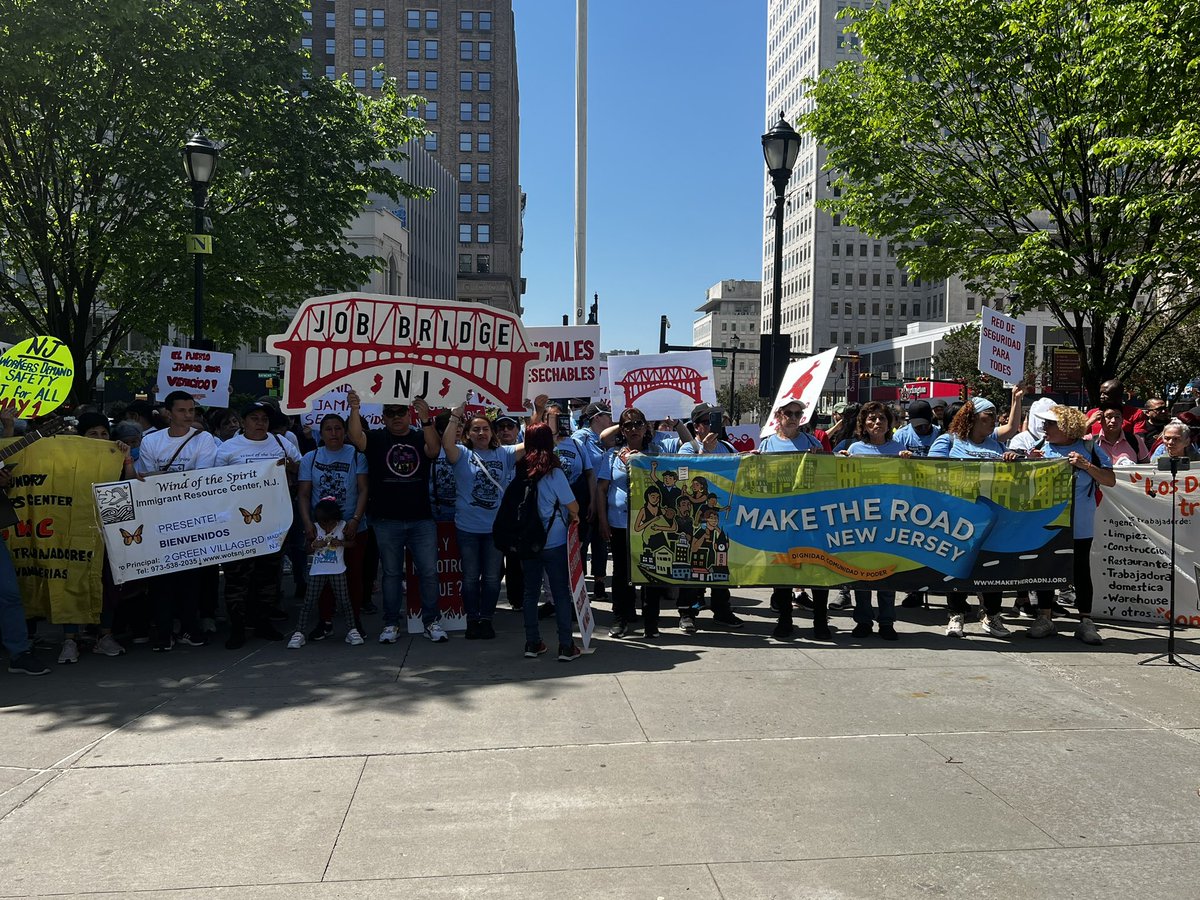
<point>675,113</point>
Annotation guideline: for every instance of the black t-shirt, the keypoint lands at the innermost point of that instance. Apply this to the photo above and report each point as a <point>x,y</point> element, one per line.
<point>398,473</point>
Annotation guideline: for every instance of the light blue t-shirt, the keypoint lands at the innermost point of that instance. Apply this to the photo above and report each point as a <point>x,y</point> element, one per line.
<point>887,448</point>
<point>918,444</point>
<point>574,458</point>
<point>949,446</point>
<point>689,449</point>
<point>667,441</point>
<point>480,477</point>
<point>335,475</point>
<point>615,470</point>
<point>551,487</point>
<point>1084,523</point>
<point>592,447</point>
<point>803,442</point>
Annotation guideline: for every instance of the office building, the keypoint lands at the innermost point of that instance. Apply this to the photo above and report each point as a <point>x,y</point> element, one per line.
<point>730,321</point>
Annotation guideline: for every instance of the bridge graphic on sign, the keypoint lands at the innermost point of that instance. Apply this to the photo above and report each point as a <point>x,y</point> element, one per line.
<point>684,379</point>
<point>333,339</point>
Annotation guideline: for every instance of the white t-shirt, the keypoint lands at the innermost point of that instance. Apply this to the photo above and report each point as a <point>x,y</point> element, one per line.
<point>328,560</point>
<point>240,449</point>
<point>157,448</point>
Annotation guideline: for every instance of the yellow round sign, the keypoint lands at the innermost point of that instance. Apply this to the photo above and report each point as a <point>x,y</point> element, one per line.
<point>36,376</point>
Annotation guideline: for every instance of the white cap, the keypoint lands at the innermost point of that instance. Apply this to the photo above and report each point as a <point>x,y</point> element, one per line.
<point>1041,411</point>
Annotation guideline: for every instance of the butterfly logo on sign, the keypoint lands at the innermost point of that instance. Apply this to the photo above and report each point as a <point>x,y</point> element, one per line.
<point>254,515</point>
<point>134,537</point>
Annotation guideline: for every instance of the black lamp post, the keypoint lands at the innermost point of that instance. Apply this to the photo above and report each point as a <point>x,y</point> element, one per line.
<point>781,146</point>
<point>200,161</point>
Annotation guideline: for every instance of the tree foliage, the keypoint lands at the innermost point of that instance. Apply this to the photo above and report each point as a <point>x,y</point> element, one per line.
<point>1045,150</point>
<point>96,99</point>
<point>1168,362</point>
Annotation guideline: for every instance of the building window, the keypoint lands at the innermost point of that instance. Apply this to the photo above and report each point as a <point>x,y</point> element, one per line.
<point>876,248</point>
<point>412,80</point>
<point>916,310</point>
<point>466,49</point>
<point>431,111</point>
<point>464,260</point>
<point>330,73</point>
<point>485,171</point>
<point>837,220</point>
<point>431,19</point>
<point>845,337</point>
<point>306,43</point>
<point>874,336</point>
<point>464,141</point>
<point>483,203</point>
<point>485,81</point>
<point>874,309</point>
<point>464,112</point>
<point>377,48</point>
<point>376,79</point>
<point>862,279</point>
<point>903,279</point>
<point>464,234</point>
<point>431,49</point>
<point>875,279</point>
<point>360,17</point>
<point>483,263</point>
<point>377,18</point>
<point>862,337</point>
<point>485,21</point>
<point>431,79</point>
<point>849,249</point>
<point>891,279</point>
<point>862,309</point>
<point>485,50</point>
<point>464,81</point>
<point>308,18</point>
<point>835,249</point>
<point>466,21</point>
<point>330,46</point>
<point>413,18</point>
<point>464,172</point>
<point>835,278</point>
<point>483,234</point>
<point>360,46</point>
<point>360,77</point>
<point>330,20</point>
<point>970,303</point>
<point>431,141</point>
<point>464,203</point>
<point>904,310</point>
<point>485,142</point>
<point>485,112</point>
<point>413,49</point>
<point>833,311</point>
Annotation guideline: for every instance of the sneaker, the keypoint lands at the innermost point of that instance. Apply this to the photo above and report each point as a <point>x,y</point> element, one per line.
<point>534,649</point>
<point>1085,631</point>
<point>568,652</point>
<point>1042,627</point>
<point>1025,609</point>
<point>391,633</point>
<point>163,645</point>
<point>141,638</point>
<point>322,631</point>
<point>841,601</point>
<point>802,600</point>
<point>26,664</point>
<point>687,624</point>
<point>208,625</point>
<point>994,625</point>
<point>957,623</point>
<point>354,638</point>
<point>1067,597</point>
<point>618,630</point>
<point>651,631</point>
<point>189,640</point>
<point>70,652</point>
<point>863,629</point>
<point>434,632</point>
<point>297,641</point>
<point>108,646</point>
<point>887,632</point>
<point>729,620</point>
<point>472,632</point>
<point>487,631</point>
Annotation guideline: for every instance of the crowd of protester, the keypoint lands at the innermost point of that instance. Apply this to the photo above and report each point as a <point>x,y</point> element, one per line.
<point>365,500</point>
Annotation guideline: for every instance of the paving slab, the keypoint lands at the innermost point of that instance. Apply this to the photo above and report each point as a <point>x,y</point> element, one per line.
<point>41,733</point>
<point>647,804</point>
<point>1165,695</point>
<point>1089,788</point>
<point>227,722</point>
<point>1117,873</point>
<point>177,826</point>
<point>707,706</point>
<point>18,785</point>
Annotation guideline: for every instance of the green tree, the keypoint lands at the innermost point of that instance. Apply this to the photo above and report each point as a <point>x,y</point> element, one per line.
<point>96,99</point>
<point>1045,150</point>
<point>1168,362</point>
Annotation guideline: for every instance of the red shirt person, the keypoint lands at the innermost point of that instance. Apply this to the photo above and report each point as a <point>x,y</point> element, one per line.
<point>1112,393</point>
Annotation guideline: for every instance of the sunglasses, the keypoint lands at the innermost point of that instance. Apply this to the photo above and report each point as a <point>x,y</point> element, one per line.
<point>633,424</point>
<point>791,413</point>
<point>393,413</point>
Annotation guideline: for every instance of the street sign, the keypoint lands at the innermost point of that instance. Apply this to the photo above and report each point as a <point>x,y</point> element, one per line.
<point>199,243</point>
<point>720,362</point>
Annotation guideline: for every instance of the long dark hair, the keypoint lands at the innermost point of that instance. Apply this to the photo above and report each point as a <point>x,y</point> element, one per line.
<point>844,429</point>
<point>540,457</point>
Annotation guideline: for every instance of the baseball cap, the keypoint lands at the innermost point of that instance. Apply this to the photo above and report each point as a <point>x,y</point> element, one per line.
<point>701,411</point>
<point>594,409</point>
<point>505,420</point>
<point>920,412</point>
<point>839,408</point>
<point>939,401</point>
<point>259,405</point>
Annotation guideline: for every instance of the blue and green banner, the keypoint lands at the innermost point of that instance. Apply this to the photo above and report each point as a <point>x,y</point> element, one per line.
<point>806,519</point>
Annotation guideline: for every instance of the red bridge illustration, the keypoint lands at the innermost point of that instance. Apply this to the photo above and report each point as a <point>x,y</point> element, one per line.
<point>684,379</point>
<point>332,338</point>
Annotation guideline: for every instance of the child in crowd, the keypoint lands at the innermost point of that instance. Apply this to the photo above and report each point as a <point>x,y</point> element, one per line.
<point>328,567</point>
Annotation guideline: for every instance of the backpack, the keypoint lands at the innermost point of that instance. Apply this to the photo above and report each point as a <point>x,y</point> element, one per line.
<point>518,529</point>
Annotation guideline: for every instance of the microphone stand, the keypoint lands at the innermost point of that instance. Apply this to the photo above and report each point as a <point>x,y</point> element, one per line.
<point>1169,656</point>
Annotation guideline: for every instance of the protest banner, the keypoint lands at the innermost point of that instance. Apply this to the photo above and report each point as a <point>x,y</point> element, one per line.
<point>570,364</point>
<point>1131,555</point>
<point>36,376</point>
<point>449,578</point>
<point>334,401</point>
<point>187,520</point>
<point>804,380</point>
<point>783,519</point>
<point>202,373</point>
<point>55,542</point>
<point>1002,347</point>
<point>661,385</point>
<point>579,594</point>
<point>396,349</point>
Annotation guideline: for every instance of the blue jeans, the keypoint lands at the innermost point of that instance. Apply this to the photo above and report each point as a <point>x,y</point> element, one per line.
<point>419,536</point>
<point>862,606</point>
<point>553,562</point>
<point>13,629</point>
<point>481,574</point>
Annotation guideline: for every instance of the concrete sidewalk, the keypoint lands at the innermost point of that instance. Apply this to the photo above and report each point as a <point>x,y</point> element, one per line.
<point>714,765</point>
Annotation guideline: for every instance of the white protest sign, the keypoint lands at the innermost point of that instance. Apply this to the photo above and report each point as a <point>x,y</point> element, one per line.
<point>396,349</point>
<point>570,364</point>
<point>1131,554</point>
<point>743,437</point>
<point>334,401</point>
<point>186,520</point>
<point>202,373</point>
<point>579,594</point>
<point>661,385</point>
<point>804,380</point>
<point>1002,347</point>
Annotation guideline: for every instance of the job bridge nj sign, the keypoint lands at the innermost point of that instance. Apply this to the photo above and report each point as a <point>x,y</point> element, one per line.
<point>396,349</point>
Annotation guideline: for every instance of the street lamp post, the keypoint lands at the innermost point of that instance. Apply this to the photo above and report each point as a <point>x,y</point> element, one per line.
<point>735,346</point>
<point>781,146</point>
<point>199,161</point>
